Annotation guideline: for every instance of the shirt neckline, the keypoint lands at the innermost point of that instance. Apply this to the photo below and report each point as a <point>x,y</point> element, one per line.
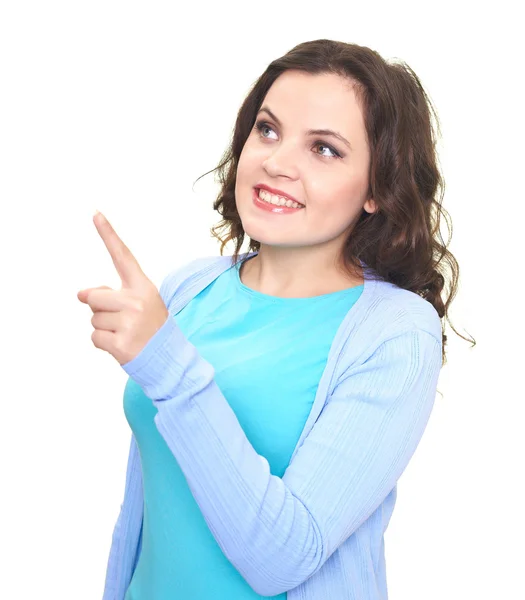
<point>254,294</point>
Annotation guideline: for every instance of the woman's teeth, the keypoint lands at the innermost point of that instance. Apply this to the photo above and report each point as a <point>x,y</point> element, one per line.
<point>277,200</point>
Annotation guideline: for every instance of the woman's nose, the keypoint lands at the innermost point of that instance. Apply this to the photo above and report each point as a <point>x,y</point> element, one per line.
<point>282,161</point>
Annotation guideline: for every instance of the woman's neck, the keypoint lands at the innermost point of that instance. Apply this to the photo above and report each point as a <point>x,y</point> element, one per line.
<point>290,276</point>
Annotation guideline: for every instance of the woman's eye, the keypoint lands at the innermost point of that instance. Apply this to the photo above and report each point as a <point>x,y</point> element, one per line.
<point>334,153</point>
<point>261,126</point>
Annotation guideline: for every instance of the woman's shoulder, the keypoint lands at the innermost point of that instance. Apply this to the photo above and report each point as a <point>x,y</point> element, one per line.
<point>394,310</point>
<point>181,275</point>
<point>387,317</point>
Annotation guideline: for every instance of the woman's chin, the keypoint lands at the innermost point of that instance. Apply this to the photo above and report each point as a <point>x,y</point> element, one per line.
<point>255,234</point>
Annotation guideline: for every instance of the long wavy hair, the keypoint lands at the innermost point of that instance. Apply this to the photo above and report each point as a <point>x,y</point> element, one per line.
<point>401,241</point>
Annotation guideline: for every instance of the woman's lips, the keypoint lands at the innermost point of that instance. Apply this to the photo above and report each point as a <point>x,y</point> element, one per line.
<point>272,207</point>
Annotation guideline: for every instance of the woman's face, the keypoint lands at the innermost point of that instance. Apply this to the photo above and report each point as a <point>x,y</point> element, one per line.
<point>327,176</point>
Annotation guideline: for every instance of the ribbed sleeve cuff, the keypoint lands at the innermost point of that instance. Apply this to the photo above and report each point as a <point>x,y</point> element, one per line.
<point>155,368</point>
<point>169,366</point>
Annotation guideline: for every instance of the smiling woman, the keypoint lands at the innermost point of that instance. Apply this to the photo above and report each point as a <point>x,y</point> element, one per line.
<point>329,179</point>
<point>351,136</point>
<point>275,408</point>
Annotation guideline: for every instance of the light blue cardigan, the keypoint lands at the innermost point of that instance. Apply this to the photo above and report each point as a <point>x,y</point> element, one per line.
<point>317,532</point>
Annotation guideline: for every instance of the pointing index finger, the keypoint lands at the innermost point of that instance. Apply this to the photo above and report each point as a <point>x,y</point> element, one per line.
<point>126,264</point>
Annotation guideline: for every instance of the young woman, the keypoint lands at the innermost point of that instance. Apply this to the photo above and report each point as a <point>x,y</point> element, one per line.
<point>275,397</point>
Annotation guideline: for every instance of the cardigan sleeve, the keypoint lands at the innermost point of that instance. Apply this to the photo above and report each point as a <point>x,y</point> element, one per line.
<point>278,532</point>
<point>116,549</point>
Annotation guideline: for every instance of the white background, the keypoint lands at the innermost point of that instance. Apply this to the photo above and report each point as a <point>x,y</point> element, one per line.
<point>120,106</point>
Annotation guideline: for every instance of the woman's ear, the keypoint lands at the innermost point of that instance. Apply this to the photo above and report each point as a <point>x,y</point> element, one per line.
<point>370,206</point>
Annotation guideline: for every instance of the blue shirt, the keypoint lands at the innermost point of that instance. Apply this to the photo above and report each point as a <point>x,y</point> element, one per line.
<point>270,385</point>
<point>317,532</point>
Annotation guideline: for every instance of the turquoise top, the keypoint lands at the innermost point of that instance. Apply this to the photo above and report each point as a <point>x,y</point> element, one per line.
<point>318,531</point>
<point>268,354</point>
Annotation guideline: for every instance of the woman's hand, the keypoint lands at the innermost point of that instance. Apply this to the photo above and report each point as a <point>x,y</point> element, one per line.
<point>124,320</point>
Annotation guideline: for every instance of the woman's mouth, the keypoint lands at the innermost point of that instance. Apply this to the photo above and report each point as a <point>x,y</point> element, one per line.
<point>275,204</point>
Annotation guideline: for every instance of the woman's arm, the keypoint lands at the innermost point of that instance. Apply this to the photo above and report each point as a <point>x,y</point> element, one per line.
<point>278,532</point>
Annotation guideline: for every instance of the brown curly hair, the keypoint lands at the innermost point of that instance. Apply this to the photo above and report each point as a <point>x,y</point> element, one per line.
<point>401,241</point>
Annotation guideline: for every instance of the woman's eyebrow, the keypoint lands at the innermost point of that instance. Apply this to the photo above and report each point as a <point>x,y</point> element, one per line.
<point>310,131</point>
